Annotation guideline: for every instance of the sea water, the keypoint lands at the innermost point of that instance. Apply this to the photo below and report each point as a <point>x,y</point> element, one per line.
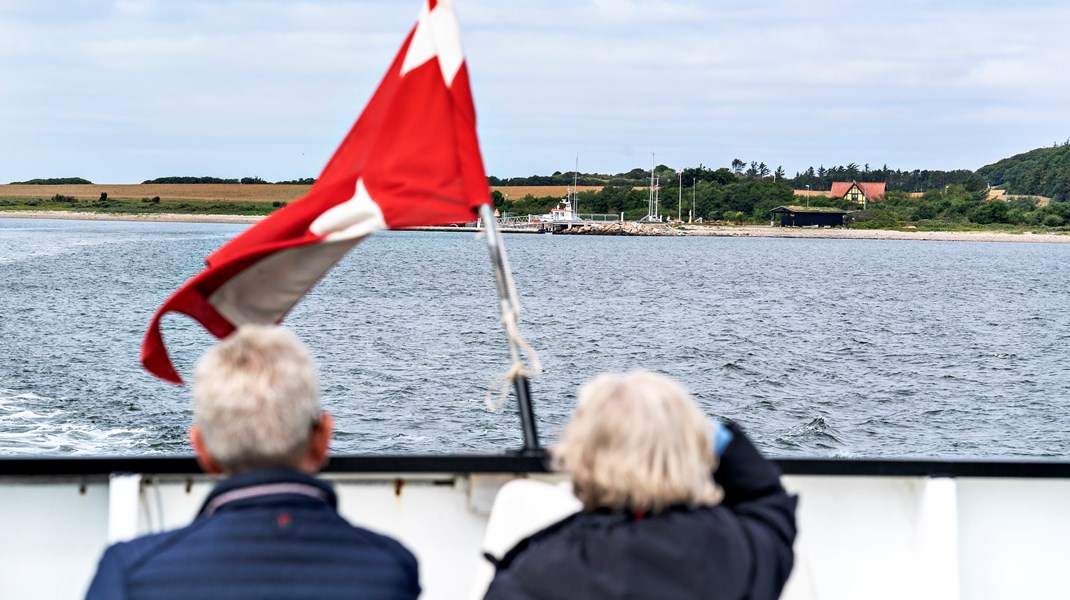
<point>850,348</point>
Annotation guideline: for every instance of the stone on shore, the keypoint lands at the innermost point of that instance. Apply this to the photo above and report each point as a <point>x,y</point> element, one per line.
<point>627,228</point>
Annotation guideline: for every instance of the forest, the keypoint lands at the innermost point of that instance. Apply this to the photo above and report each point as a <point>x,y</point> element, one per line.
<point>1040,172</point>
<point>747,191</point>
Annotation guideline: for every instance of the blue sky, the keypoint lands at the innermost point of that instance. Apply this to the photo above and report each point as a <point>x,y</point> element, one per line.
<point>127,90</point>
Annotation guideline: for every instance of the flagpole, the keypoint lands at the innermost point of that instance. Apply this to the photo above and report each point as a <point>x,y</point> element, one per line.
<point>510,309</point>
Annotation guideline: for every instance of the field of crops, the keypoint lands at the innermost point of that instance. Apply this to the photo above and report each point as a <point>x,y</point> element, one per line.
<point>516,192</point>
<point>226,192</point>
<point>207,192</point>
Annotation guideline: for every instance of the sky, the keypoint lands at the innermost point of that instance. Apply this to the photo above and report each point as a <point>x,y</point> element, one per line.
<point>120,91</point>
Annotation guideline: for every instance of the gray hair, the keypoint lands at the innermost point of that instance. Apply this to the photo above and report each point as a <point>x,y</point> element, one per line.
<point>256,399</point>
<point>637,441</point>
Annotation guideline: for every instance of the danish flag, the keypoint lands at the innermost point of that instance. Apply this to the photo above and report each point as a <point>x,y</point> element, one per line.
<point>412,158</point>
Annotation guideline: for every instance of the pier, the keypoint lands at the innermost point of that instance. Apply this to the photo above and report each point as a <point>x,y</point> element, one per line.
<point>528,224</point>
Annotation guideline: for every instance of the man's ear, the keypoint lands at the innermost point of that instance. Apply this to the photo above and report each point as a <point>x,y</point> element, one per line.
<point>204,459</point>
<point>319,444</point>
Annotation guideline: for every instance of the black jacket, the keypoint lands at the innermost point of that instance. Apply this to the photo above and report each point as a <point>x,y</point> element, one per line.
<point>738,549</point>
<point>264,534</point>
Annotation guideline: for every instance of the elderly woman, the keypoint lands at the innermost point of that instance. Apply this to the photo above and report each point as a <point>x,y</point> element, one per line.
<point>661,518</point>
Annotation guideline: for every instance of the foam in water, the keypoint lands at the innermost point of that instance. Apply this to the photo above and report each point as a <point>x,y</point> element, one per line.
<point>33,426</point>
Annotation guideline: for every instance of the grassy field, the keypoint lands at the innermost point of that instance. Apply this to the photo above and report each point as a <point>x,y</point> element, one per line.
<point>143,206</point>
<point>222,199</point>
<point>203,199</point>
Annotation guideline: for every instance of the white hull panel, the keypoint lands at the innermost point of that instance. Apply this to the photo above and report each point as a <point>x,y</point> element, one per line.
<point>861,536</point>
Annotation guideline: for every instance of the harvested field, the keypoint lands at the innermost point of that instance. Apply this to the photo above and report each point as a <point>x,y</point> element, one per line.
<point>516,192</point>
<point>223,192</point>
<point>228,191</point>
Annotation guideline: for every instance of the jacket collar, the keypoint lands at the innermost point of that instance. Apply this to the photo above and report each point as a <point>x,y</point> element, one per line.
<point>267,486</point>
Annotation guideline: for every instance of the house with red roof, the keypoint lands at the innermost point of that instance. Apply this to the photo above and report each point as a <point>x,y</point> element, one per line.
<point>858,192</point>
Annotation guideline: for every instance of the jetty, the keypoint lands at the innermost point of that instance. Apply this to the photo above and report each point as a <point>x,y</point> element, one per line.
<point>604,226</point>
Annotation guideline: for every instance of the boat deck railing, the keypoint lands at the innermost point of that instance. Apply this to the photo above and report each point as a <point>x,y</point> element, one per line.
<point>868,528</point>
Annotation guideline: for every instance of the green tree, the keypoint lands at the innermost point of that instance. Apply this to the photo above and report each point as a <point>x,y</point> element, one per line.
<point>992,211</point>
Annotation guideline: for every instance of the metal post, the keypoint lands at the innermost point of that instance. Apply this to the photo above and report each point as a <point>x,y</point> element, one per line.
<point>527,415</point>
<point>503,280</point>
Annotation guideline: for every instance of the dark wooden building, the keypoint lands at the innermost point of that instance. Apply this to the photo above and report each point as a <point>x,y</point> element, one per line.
<point>814,216</point>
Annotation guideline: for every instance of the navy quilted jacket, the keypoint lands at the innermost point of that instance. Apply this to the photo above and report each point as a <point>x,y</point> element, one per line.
<point>263,534</point>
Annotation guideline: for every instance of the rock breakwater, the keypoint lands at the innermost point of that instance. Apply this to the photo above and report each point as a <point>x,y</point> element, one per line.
<point>643,229</point>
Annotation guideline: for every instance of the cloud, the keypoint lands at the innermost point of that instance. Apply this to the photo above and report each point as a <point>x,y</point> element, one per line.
<point>242,86</point>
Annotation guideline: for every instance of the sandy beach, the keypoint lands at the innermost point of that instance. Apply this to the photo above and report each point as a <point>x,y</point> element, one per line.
<point>877,234</point>
<point>161,217</point>
<point>698,230</point>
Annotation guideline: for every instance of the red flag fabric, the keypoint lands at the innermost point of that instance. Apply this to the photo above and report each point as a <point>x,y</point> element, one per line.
<point>412,158</point>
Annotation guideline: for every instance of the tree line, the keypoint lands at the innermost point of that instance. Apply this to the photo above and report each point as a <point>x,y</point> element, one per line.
<point>710,194</point>
<point>243,181</point>
<point>955,206</point>
<point>1041,172</point>
<point>724,195</point>
<point>54,181</point>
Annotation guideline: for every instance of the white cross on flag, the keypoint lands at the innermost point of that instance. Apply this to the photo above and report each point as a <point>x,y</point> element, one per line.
<point>412,158</point>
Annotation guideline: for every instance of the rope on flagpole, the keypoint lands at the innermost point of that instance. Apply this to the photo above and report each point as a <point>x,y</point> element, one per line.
<point>517,368</point>
<point>519,348</point>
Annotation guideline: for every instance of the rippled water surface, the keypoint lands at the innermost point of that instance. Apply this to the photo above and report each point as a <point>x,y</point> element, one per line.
<point>819,347</point>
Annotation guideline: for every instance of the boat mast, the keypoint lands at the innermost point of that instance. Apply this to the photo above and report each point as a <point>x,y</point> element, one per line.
<point>650,200</point>
<point>680,198</point>
<point>575,195</point>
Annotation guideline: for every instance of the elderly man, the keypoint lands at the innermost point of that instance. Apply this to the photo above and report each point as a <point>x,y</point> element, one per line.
<point>270,529</point>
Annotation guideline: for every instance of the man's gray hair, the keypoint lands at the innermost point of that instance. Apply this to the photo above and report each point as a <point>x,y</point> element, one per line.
<point>256,399</point>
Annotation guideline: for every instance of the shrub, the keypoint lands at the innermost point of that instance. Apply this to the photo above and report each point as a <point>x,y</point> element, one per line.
<point>993,211</point>
<point>53,181</point>
<point>1053,221</point>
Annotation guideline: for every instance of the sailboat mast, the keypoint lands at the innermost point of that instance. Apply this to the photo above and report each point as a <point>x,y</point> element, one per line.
<point>650,200</point>
<point>575,191</point>
<point>680,195</point>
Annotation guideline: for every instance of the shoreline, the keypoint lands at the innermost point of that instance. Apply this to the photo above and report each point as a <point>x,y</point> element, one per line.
<point>62,215</point>
<point>689,230</point>
<point>879,234</point>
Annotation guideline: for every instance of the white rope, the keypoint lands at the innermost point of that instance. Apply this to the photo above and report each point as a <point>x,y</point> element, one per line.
<point>518,368</point>
<point>510,309</point>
